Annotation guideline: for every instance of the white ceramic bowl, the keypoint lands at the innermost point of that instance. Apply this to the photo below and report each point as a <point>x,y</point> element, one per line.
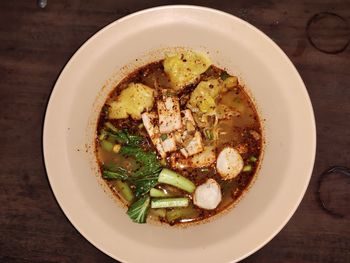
<point>232,43</point>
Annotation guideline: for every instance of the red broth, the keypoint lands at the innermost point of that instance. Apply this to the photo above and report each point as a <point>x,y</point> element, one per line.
<point>242,131</point>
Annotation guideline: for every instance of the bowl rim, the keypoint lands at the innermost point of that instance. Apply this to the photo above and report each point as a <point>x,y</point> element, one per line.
<point>188,7</point>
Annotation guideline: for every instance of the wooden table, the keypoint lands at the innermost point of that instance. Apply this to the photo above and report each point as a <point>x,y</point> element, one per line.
<point>35,44</point>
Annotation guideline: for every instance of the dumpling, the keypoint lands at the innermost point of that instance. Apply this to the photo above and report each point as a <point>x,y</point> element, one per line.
<point>185,68</point>
<point>133,100</point>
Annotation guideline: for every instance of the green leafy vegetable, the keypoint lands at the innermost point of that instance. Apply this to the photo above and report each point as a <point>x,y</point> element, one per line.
<point>124,138</point>
<point>116,175</point>
<point>143,179</point>
<point>144,185</point>
<point>120,136</point>
<point>138,211</point>
<point>148,161</point>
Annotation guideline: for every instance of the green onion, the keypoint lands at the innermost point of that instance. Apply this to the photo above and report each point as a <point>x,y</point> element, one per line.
<point>208,134</point>
<point>157,193</point>
<point>169,202</point>
<point>124,190</point>
<point>181,213</point>
<point>163,137</point>
<point>247,168</point>
<point>160,212</point>
<point>111,127</point>
<point>167,176</point>
<point>107,145</point>
<point>253,159</point>
<point>119,174</point>
<point>103,135</point>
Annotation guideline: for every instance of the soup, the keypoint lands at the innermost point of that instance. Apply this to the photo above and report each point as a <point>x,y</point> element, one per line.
<point>178,140</point>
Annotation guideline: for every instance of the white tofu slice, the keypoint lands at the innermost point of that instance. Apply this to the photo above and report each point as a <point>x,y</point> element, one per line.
<point>195,145</point>
<point>208,195</point>
<point>149,120</point>
<point>204,159</point>
<point>187,116</point>
<point>178,137</point>
<point>169,144</point>
<point>229,163</point>
<point>184,152</point>
<point>169,115</point>
<point>188,122</point>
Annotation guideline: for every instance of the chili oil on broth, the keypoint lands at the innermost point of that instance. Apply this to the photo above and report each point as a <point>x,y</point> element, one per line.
<point>239,130</point>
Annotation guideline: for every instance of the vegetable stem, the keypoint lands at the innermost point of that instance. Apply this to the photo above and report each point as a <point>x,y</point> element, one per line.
<point>160,212</point>
<point>106,145</point>
<point>167,176</point>
<point>103,135</point>
<point>157,193</point>
<point>208,134</point>
<point>111,127</point>
<point>169,202</point>
<point>181,213</point>
<point>124,190</point>
<point>119,175</point>
<point>253,159</point>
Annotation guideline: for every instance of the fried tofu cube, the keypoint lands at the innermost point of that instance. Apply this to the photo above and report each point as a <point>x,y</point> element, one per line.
<point>169,144</point>
<point>187,116</point>
<point>203,159</point>
<point>195,145</point>
<point>169,115</point>
<point>188,122</point>
<point>149,120</point>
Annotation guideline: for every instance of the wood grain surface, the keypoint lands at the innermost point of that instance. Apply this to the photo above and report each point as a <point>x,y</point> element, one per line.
<point>35,44</point>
